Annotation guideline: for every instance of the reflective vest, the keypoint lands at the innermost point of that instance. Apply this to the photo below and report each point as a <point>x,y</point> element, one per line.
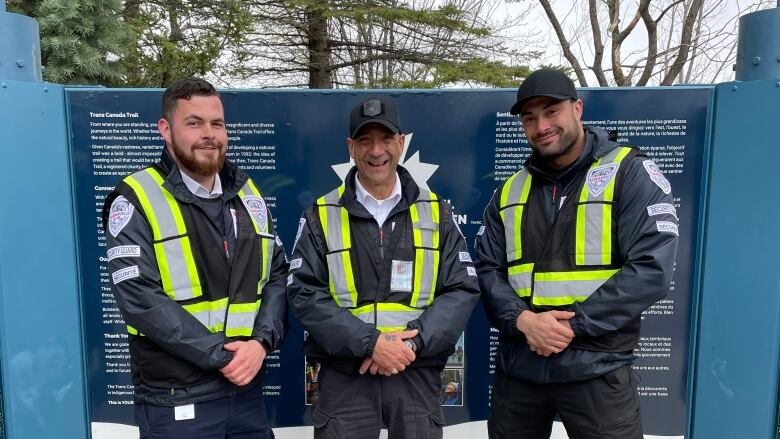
<point>176,262</point>
<point>387,316</point>
<point>586,256</point>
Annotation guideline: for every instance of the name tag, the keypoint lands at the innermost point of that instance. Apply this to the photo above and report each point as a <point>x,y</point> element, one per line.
<point>401,276</point>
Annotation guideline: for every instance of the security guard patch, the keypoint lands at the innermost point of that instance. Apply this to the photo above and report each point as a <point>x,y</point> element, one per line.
<point>598,178</point>
<point>657,176</point>
<point>667,227</point>
<point>256,208</point>
<point>119,216</point>
<point>125,274</point>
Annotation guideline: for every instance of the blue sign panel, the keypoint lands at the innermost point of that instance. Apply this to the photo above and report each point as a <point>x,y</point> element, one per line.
<point>461,144</point>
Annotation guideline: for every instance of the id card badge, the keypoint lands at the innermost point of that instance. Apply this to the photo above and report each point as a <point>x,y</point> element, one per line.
<point>401,276</point>
<point>184,412</point>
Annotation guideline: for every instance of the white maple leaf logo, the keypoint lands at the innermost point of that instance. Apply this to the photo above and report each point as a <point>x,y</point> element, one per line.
<point>420,171</point>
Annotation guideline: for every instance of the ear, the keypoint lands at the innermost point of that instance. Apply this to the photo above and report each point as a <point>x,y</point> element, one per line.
<point>165,130</point>
<point>402,139</point>
<point>351,148</point>
<point>578,108</point>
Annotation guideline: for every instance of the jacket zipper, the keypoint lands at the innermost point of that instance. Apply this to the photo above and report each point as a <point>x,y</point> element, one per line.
<point>382,256</point>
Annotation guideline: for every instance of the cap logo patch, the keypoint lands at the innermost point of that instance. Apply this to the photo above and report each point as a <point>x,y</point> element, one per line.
<point>598,178</point>
<point>372,108</point>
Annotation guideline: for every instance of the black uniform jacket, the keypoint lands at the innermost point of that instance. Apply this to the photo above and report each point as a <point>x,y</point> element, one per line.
<point>337,337</point>
<point>177,360</point>
<point>614,310</point>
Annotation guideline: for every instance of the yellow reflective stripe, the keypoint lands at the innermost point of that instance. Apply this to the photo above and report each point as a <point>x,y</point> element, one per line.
<point>245,307</point>
<point>146,205</point>
<point>254,188</point>
<point>214,305</point>
<point>609,191</point>
<point>566,276</point>
<point>419,255</point>
<point>505,190</point>
<point>382,306</point>
<point>192,271</point>
<point>518,211</point>
<point>519,269</point>
<point>346,239</point>
<point>242,194</point>
<point>606,235</point>
<point>165,271</point>
<point>434,277</point>
<point>435,219</point>
<point>579,251</point>
<point>416,232</point>
<point>265,274</point>
<point>172,203</point>
<point>132,331</point>
<point>350,278</point>
<point>557,301</point>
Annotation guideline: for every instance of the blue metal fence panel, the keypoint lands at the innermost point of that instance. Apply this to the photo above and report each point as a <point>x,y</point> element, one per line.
<point>735,392</point>
<point>40,321</point>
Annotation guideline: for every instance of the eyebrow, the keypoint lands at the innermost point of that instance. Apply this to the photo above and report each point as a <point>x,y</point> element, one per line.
<point>198,118</point>
<point>543,108</point>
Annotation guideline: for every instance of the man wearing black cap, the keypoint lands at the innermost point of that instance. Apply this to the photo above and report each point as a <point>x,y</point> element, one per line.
<point>573,248</point>
<point>383,282</point>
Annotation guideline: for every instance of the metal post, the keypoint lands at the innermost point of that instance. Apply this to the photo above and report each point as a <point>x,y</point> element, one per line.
<point>758,50</point>
<point>20,47</point>
<point>2,5</point>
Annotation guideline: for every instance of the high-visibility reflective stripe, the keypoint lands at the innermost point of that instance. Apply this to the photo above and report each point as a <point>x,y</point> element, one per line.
<point>565,288</point>
<point>241,319</point>
<point>389,316</point>
<point>209,314</point>
<point>514,196</point>
<point>521,278</point>
<point>335,225</point>
<point>175,260</point>
<point>133,331</point>
<point>266,243</point>
<point>425,232</point>
<point>593,240</point>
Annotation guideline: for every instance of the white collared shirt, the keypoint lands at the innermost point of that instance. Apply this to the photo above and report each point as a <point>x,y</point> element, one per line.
<point>379,209</point>
<point>199,191</point>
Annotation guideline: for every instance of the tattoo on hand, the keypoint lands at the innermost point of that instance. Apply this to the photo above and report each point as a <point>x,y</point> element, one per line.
<point>391,337</point>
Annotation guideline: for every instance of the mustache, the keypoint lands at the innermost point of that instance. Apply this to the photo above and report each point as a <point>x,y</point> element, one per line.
<point>208,143</point>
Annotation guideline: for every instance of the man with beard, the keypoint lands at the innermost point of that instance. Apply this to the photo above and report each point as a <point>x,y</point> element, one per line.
<point>198,274</point>
<point>573,248</point>
<point>383,282</point>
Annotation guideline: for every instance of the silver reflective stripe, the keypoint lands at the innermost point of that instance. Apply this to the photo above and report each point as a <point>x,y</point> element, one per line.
<point>266,245</point>
<point>390,318</point>
<point>162,211</point>
<point>569,288</point>
<point>425,223</point>
<point>430,263</point>
<point>211,319</point>
<point>177,267</point>
<point>521,279</point>
<point>426,261</point>
<point>337,273</point>
<point>594,236</point>
<point>565,288</point>
<point>237,321</point>
<point>516,193</point>
<point>173,249</point>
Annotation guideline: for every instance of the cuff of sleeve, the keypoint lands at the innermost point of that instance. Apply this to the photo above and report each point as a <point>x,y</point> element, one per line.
<point>266,344</point>
<point>372,343</point>
<point>512,326</point>
<point>229,357</point>
<point>418,343</point>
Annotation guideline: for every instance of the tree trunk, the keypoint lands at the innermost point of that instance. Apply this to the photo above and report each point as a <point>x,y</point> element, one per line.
<point>319,54</point>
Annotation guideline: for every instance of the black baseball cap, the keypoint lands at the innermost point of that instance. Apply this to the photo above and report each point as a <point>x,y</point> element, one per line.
<point>374,110</point>
<point>546,82</point>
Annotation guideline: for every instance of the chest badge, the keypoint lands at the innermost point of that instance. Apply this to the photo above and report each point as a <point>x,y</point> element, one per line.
<point>598,178</point>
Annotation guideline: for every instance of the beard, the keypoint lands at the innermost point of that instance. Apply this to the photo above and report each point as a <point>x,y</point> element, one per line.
<point>199,165</point>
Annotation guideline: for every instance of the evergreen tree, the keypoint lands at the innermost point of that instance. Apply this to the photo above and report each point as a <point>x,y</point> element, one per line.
<point>82,41</point>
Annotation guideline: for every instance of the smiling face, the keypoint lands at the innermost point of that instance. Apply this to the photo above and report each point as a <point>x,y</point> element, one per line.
<point>554,129</point>
<point>376,151</point>
<point>196,137</point>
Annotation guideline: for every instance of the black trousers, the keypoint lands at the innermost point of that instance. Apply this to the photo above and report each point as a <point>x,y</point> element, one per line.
<point>238,417</point>
<point>605,407</point>
<point>358,406</point>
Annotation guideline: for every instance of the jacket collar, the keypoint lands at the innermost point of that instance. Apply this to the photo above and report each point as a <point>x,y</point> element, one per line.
<point>409,193</point>
<point>232,177</point>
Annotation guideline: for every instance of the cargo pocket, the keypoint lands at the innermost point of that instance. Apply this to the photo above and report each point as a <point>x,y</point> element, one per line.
<point>435,425</point>
<point>325,426</point>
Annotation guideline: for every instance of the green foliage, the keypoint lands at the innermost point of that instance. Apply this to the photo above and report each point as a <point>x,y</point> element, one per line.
<point>82,41</point>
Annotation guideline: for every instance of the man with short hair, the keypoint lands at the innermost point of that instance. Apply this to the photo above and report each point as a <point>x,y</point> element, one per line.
<point>573,248</point>
<point>381,279</point>
<point>198,275</point>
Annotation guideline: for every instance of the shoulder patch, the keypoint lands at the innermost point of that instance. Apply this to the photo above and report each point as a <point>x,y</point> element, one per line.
<point>598,178</point>
<point>125,274</point>
<point>256,208</point>
<point>661,209</point>
<point>124,251</point>
<point>464,256</point>
<point>301,223</point>
<point>119,215</point>
<point>657,176</point>
<point>667,227</point>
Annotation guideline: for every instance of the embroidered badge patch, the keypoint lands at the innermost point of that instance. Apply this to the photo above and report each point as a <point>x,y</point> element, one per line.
<point>301,223</point>
<point>661,209</point>
<point>124,251</point>
<point>256,208</point>
<point>667,226</point>
<point>124,274</point>
<point>657,176</point>
<point>119,216</point>
<point>598,178</point>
